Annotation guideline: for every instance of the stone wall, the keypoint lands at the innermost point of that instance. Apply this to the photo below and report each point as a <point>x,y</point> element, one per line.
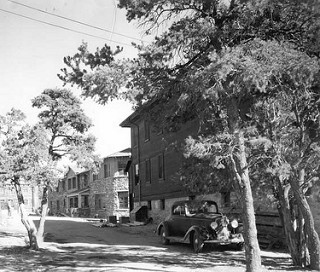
<point>103,198</point>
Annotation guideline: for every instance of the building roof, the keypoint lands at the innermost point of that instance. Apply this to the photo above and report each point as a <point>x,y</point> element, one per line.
<point>133,117</point>
<point>123,153</point>
<point>130,119</point>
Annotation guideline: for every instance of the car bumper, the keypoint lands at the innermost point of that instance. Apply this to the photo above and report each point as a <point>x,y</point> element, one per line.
<point>233,240</point>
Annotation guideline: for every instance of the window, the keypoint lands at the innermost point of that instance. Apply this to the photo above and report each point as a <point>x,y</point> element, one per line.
<point>71,202</point>
<point>134,136</point>
<point>122,164</point>
<point>98,201</point>
<point>79,182</point>
<point>84,201</point>
<point>63,185</point>
<point>161,166</point>
<point>69,184</point>
<point>146,131</point>
<point>148,171</point>
<point>123,200</point>
<point>107,171</point>
<point>75,202</point>
<point>85,180</point>
<point>95,176</point>
<point>74,183</point>
<point>149,205</point>
<point>179,210</point>
<point>136,174</point>
<point>162,204</point>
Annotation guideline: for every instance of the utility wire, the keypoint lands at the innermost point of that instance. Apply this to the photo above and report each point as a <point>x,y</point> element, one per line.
<point>62,27</point>
<point>75,21</point>
<point>114,18</point>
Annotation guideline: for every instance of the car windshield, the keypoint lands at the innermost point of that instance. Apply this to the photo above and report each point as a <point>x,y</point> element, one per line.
<point>206,207</point>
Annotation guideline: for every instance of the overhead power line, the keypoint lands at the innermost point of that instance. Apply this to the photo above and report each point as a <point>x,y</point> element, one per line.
<point>75,21</point>
<point>62,27</point>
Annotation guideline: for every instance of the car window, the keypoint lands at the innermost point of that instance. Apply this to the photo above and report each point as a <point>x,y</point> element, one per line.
<point>179,210</point>
<point>201,207</point>
<point>209,208</point>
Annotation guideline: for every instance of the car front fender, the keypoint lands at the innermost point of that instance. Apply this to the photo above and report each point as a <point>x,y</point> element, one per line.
<point>192,229</point>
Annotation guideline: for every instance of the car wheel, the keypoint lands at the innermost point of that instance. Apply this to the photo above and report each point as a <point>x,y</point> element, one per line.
<point>197,242</point>
<point>163,238</point>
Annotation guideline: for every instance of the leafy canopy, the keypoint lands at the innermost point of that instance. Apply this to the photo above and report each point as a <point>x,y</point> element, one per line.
<point>67,126</point>
<point>24,155</point>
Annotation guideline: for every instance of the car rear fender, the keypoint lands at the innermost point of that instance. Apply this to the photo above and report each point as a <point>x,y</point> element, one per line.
<point>190,231</point>
<point>164,225</point>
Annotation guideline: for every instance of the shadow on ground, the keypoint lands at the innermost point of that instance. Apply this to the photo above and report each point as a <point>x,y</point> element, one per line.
<point>59,254</point>
<point>95,257</point>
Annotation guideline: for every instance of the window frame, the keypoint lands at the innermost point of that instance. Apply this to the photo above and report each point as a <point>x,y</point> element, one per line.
<point>148,171</point>
<point>107,170</point>
<point>161,167</point>
<point>146,130</point>
<point>123,200</point>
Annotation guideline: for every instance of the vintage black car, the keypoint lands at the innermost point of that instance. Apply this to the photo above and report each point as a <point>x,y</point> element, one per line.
<point>199,223</point>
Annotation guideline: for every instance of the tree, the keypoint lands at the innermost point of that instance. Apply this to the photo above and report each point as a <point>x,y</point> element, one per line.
<point>66,126</point>
<point>23,159</point>
<point>172,73</point>
<point>291,116</point>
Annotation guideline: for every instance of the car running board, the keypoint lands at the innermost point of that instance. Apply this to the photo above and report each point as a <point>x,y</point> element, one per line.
<point>177,239</point>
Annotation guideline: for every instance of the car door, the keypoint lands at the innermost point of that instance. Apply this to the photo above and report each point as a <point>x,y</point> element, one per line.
<point>177,222</point>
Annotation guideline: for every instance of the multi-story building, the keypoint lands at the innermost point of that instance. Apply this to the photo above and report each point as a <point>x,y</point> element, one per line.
<point>154,179</point>
<point>89,194</point>
<point>8,197</point>
<point>109,188</point>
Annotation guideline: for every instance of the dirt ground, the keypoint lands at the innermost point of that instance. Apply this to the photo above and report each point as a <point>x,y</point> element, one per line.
<point>77,245</point>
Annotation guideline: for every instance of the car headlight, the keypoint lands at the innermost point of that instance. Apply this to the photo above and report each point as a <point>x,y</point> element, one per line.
<point>214,225</point>
<point>234,223</point>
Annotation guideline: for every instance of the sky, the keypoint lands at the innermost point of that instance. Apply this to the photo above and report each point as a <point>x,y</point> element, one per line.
<point>35,38</point>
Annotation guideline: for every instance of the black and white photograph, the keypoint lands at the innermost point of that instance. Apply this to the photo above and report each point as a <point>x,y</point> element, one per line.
<point>160,135</point>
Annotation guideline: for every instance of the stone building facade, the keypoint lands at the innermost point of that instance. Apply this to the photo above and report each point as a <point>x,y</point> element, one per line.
<point>89,194</point>
<point>8,197</point>
<point>109,188</point>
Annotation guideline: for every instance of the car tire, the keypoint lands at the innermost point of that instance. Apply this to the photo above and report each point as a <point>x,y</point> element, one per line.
<point>197,242</point>
<point>163,238</point>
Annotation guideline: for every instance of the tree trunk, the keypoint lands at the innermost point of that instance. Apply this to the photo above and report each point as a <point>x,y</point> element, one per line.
<point>313,241</point>
<point>241,171</point>
<point>291,235</point>
<point>252,249</point>
<point>44,209</point>
<point>26,221</point>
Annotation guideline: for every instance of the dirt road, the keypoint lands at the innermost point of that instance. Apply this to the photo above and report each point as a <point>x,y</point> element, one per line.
<point>77,245</point>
